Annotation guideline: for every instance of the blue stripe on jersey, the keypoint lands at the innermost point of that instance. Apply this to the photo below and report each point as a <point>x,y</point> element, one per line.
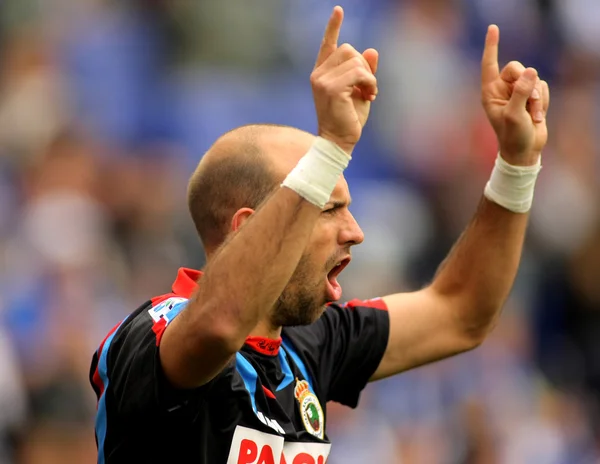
<point>249,376</point>
<point>101,414</point>
<point>288,377</point>
<point>290,349</point>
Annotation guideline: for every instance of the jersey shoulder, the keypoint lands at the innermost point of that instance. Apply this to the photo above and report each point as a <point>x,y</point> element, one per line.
<point>334,315</point>
<point>144,326</point>
<point>373,303</point>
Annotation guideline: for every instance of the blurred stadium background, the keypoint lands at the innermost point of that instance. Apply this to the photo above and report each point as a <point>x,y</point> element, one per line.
<point>106,107</point>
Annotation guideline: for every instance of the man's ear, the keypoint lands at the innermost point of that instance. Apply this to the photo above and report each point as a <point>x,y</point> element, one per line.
<point>240,216</point>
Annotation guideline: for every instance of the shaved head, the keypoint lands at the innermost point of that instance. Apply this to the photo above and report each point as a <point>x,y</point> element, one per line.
<point>241,169</point>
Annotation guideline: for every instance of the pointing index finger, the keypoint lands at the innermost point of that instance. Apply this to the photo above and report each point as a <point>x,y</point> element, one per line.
<point>332,33</point>
<point>489,62</point>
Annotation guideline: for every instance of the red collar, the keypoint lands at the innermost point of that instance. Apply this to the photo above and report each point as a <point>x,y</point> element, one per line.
<point>186,283</point>
<point>264,345</point>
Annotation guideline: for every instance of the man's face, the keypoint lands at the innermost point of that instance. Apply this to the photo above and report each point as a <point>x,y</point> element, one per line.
<point>314,282</point>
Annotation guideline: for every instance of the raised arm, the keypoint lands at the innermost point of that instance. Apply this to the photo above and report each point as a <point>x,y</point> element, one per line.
<point>244,278</point>
<point>460,307</point>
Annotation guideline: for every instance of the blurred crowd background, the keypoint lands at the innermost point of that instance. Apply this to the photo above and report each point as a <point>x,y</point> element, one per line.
<point>106,107</point>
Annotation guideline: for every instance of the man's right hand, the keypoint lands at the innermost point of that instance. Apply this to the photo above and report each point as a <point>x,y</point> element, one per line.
<point>344,85</point>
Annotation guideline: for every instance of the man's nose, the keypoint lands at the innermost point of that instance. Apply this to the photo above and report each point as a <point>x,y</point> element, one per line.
<point>351,233</point>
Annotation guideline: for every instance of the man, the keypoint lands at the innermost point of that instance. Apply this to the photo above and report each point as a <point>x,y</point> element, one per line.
<point>237,364</point>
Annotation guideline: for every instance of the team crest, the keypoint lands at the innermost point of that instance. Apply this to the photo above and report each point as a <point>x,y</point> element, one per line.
<point>310,409</point>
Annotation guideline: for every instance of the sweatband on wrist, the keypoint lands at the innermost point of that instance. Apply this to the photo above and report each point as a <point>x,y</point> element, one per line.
<point>512,186</point>
<point>317,173</point>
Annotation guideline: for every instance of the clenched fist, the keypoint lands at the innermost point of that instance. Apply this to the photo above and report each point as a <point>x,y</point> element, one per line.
<point>344,85</point>
<point>516,102</point>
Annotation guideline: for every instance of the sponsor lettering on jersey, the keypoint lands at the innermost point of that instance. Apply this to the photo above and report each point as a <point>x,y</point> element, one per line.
<point>250,446</point>
<point>310,409</point>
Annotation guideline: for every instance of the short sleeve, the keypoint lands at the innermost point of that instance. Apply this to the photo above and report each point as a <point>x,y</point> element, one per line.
<point>345,347</point>
<point>127,364</point>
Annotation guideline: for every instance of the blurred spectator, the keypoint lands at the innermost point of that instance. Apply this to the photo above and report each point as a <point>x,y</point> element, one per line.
<point>12,401</point>
<point>34,105</point>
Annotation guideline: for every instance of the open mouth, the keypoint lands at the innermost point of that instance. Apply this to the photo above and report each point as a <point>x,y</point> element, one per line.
<point>338,268</point>
<point>334,289</point>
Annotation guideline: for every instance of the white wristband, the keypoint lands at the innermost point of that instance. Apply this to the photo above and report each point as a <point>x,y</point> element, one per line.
<point>512,186</point>
<point>317,173</point>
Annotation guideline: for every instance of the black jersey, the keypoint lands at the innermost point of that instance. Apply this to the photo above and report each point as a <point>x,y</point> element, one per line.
<point>267,406</point>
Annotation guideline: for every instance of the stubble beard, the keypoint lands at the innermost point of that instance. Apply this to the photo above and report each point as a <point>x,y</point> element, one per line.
<point>302,301</point>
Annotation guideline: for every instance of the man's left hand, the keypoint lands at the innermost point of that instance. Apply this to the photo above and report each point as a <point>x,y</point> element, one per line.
<point>516,102</point>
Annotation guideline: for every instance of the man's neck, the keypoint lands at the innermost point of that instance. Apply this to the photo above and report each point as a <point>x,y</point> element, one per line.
<point>266,330</point>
